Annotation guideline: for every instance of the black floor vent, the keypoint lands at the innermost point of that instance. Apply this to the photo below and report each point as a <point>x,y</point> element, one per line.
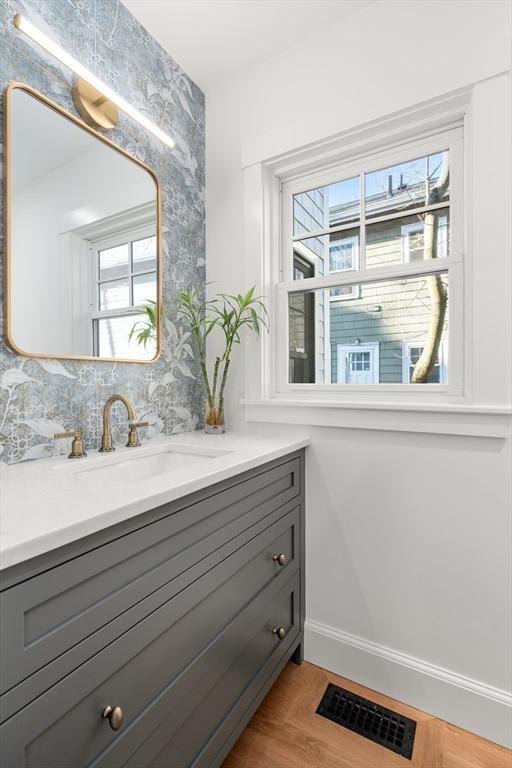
<point>381,725</point>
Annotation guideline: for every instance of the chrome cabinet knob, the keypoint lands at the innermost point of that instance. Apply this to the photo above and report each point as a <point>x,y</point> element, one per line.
<point>114,715</point>
<point>280,559</point>
<point>280,632</point>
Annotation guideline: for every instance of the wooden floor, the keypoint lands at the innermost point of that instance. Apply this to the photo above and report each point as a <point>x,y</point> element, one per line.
<point>287,733</point>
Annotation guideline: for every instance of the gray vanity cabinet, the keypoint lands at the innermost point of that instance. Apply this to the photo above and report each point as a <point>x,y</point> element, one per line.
<point>183,617</point>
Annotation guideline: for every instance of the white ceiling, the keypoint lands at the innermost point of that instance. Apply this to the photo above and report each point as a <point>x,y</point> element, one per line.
<point>215,40</point>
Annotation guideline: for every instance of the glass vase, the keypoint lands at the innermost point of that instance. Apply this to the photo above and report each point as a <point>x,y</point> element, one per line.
<point>214,419</point>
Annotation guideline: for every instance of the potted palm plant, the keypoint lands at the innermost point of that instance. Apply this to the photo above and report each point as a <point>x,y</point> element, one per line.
<point>227,314</point>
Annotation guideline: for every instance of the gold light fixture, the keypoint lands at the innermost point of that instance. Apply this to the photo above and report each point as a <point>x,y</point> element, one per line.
<point>93,106</point>
<point>92,97</point>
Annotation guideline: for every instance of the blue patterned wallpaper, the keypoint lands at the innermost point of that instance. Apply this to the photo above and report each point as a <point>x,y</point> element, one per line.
<point>41,397</point>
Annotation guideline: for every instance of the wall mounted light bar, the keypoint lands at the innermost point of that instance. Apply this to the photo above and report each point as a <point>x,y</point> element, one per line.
<point>65,58</point>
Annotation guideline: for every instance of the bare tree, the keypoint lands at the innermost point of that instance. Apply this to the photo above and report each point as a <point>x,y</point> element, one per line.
<point>435,286</point>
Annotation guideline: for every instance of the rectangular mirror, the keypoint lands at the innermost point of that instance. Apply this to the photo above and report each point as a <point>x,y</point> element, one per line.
<point>83,275</point>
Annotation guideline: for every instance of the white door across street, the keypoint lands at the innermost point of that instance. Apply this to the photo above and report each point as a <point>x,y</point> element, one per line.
<point>358,363</point>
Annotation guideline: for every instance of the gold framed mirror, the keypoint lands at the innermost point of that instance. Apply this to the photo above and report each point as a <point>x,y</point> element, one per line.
<point>83,244</point>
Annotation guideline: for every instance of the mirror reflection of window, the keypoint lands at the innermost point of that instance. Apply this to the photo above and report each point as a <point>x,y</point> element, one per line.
<point>126,280</point>
<point>84,245</point>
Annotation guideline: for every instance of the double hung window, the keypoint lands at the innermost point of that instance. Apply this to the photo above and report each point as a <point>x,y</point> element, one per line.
<point>377,247</point>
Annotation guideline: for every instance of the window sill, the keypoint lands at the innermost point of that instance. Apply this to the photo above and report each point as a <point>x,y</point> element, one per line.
<point>430,418</point>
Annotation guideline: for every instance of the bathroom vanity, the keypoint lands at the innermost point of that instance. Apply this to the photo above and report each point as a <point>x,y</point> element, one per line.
<point>162,608</point>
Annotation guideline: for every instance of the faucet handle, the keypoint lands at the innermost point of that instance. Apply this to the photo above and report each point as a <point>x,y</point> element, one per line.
<point>77,446</point>
<point>133,435</point>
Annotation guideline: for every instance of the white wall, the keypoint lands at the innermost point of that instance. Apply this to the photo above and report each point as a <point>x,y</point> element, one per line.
<point>408,535</point>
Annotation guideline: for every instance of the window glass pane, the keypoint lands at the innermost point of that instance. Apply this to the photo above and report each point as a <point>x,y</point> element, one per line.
<point>408,238</point>
<point>413,355</point>
<point>344,292</point>
<point>144,288</point>
<point>403,186</point>
<point>343,252</point>
<point>144,254</point>
<point>326,207</point>
<point>329,253</point>
<point>113,338</point>
<point>314,250</point>
<point>343,201</point>
<point>114,262</point>
<point>302,337</point>
<point>438,170</point>
<point>373,335</point>
<point>115,294</point>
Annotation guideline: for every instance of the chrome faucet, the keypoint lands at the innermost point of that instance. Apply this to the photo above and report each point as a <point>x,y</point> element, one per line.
<point>133,437</point>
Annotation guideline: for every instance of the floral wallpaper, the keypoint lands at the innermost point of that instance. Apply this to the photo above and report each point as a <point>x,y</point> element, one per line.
<point>41,397</point>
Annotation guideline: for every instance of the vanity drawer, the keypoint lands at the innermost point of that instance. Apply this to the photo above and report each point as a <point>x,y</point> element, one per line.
<point>67,613</point>
<point>163,662</point>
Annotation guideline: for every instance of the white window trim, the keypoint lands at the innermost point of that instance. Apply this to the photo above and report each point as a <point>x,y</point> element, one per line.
<point>478,410</point>
<point>449,139</point>
<point>372,347</point>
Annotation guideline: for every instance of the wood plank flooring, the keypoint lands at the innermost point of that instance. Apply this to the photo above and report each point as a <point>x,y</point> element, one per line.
<point>286,732</point>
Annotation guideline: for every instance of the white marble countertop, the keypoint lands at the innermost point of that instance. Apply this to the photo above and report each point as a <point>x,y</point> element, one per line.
<point>51,502</point>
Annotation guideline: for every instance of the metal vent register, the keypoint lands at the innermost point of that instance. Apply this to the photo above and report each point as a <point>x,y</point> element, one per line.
<point>381,725</point>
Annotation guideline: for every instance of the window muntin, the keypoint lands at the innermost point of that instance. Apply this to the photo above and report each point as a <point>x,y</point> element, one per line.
<point>412,184</point>
<point>415,191</point>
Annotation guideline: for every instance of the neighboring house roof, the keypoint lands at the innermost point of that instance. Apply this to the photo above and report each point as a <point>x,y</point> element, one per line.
<point>404,198</point>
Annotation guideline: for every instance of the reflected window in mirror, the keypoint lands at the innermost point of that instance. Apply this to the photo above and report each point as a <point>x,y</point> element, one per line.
<point>123,281</point>
<point>83,239</point>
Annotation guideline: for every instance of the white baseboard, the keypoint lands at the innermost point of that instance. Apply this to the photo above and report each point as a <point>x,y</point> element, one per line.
<point>460,700</point>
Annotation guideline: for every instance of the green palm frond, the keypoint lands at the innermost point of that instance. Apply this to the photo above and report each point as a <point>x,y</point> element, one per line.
<point>146,330</point>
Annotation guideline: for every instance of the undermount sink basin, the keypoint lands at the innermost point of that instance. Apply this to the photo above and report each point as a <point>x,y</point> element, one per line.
<point>135,464</point>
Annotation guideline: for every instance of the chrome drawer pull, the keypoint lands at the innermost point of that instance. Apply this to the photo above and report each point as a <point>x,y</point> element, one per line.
<point>280,632</point>
<point>115,716</point>
<point>280,559</point>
